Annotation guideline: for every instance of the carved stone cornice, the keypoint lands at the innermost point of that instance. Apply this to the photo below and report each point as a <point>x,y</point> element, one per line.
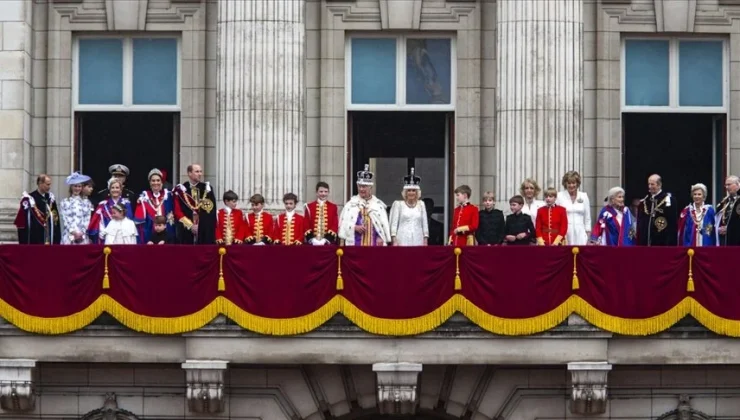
<point>205,385</point>
<point>589,383</point>
<point>419,12</point>
<point>16,385</point>
<point>684,411</point>
<point>397,385</point>
<point>110,410</point>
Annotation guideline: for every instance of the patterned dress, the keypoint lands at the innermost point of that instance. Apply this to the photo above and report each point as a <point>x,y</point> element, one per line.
<point>76,212</point>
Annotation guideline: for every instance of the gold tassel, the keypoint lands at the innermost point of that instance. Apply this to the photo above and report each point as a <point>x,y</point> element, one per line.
<point>458,282</point>
<point>221,281</point>
<point>340,280</point>
<point>575,285</point>
<point>690,284</point>
<point>106,279</point>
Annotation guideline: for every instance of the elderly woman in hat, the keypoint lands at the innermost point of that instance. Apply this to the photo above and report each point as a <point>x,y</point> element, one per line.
<point>156,201</point>
<point>103,213</point>
<point>75,211</point>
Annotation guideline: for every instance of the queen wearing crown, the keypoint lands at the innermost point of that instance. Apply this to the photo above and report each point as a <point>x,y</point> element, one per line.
<point>409,223</point>
<point>364,221</point>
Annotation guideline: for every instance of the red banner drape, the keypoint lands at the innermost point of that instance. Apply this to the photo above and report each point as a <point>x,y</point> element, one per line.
<point>393,291</point>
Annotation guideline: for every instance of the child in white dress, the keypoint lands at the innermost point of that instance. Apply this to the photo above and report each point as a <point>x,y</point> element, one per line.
<point>120,230</point>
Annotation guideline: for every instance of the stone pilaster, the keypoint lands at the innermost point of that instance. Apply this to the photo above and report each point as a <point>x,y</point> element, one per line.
<point>261,121</point>
<point>539,96</point>
<point>397,387</point>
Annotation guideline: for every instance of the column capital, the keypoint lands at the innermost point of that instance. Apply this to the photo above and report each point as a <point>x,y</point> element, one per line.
<point>16,385</point>
<point>397,385</point>
<point>205,385</point>
<point>589,381</point>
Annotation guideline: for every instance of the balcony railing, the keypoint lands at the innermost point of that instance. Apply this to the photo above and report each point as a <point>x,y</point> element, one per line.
<point>387,291</point>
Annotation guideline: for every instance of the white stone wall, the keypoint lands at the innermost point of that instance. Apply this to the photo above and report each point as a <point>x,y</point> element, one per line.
<point>294,392</point>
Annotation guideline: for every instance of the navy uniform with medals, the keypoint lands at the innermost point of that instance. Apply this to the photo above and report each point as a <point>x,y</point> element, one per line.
<point>657,221</point>
<point>121,172</point>
<point>728,216</point>
<point>195,204</point>
<point>37,220</point>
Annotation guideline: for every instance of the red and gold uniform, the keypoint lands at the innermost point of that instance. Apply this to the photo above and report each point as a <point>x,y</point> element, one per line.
<point>551,225</point>
<point>321,220</point>
<point>231,227</point>
<point>464,225</point>
<point>259,228</point>
<point>289,229</point>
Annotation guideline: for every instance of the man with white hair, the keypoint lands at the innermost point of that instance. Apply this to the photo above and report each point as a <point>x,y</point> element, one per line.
<point>657,217</point>
<point>364,219</point>
<point>728,214</point>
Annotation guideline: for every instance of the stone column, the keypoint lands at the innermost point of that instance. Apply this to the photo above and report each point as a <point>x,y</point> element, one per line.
<point>539,96</point>
<point>261,120</point>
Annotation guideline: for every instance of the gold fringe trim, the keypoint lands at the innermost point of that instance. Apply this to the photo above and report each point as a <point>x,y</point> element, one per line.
<point>221,281</point>
<point>458,281</point>
<point>106,278</point>
<point>575,285</point>
<point>690,284</point>
<point>340,280</point>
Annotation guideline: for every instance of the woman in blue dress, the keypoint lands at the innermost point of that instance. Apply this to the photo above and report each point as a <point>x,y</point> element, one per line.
<point>102,215</point>
<point>75,211</point>
<point>614,224</point>
<point>696,225</point>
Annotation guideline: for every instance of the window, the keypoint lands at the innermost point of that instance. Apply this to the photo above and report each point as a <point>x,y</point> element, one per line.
<point>115,73</point>
<point>400,73</point>
<point>660,74</point>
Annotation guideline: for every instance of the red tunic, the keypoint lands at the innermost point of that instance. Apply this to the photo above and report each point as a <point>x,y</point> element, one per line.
<point>464,225</point>
<point>231,228</point>
<point>289,232</point>
<point>321,222</point>
<point>551,225</point>
<point>259,228</point>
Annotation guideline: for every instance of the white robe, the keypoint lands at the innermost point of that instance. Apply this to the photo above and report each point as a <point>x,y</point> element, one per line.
<point>120,232</point>
<point>376,210</point>
<point>579,217</point>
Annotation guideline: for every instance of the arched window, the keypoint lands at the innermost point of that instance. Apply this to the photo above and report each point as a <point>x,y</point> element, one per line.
<point>110,411</point>
<point>684,411</point>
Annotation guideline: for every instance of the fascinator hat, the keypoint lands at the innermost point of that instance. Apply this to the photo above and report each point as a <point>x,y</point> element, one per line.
<point>77,178</point>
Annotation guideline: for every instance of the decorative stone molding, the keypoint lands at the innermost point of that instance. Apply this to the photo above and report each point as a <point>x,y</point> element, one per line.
<point>411,19</point>
<point>126,15</point>
<point>673,16</point>
<point>110,410</point>
<point>406,14</point>
<point>684,411</point>
<point>16,384</point>
<point>205,385</point>
<point>589,380</point>
<point>397,384</point>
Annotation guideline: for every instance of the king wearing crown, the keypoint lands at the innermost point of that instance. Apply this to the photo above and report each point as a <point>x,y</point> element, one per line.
<point>364,220</point>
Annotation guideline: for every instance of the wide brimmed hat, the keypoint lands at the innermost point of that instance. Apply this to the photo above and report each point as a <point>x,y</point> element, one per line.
<point>77,178</point>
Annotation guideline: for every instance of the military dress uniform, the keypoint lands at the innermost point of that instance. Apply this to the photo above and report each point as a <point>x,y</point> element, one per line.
<point>116,170</point>
<point>464,225</point>
<point>321,222</point>
<point>657,221</point>
<point>37,220</point>
<point>195,205</point>
<point>728,216</point>
<point>260,229</point>
<point>289,229</point>
<point>231,227</point>
<point>551,225</point>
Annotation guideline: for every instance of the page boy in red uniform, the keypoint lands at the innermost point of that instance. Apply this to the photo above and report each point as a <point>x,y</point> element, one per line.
<point>321,218</point>
<point>231,227</point>
<point>260,223</point>
<point>552,221</point>
<point>289,226</point>
<point>464,219</point>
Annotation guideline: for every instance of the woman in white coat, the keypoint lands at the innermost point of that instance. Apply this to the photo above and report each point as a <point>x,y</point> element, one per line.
<point>578,207</point>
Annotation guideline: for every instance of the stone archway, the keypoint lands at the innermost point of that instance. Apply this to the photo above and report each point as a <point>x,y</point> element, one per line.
<point>110,411</point>
<point>684,411</point>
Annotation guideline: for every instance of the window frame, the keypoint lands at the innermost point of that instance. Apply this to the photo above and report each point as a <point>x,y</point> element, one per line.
<point>128,74</point>
<point>401,42</point>
<point>674,77</point>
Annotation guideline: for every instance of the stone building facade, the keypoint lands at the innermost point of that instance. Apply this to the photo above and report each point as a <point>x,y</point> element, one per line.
<point>275,95</point>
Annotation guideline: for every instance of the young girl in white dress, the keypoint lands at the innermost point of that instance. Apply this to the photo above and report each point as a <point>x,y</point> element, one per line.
<point>409,223</point>
<point>76,210</point>
<point>120,230</point>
